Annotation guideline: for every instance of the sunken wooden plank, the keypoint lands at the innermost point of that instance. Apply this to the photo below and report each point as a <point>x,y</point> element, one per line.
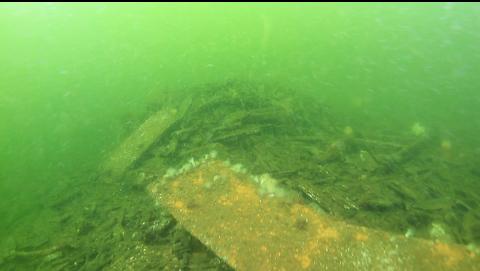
<point>225,211</point>
<point>137,143</point>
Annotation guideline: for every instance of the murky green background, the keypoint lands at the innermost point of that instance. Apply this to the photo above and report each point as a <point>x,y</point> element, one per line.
<point>75,78</point>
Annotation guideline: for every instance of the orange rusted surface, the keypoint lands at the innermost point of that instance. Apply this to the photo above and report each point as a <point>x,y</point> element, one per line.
<point>224,210</point>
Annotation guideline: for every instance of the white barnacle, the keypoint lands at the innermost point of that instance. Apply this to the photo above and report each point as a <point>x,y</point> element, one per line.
<point>186,167</point>
<point>418,129</point>
<point>192,162</point>
<point>270,186</point>
<point>238,168</point>
<point>226,163</point>
<point>171,172</point>
<point>410,232</point>
<point>213,154</point>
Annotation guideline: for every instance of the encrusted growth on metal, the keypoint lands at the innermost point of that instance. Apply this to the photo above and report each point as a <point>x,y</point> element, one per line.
<point>225,210</point>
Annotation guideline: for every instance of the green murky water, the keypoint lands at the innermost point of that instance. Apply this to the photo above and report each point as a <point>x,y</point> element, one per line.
<point>76,79</point>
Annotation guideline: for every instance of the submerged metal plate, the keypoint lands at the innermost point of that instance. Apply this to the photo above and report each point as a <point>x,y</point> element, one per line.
<point>250,231</point>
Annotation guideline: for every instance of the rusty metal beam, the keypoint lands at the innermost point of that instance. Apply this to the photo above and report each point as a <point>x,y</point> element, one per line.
<point>251,231</point>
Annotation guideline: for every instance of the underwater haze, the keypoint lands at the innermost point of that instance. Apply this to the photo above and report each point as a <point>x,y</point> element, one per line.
<point>77,79</point>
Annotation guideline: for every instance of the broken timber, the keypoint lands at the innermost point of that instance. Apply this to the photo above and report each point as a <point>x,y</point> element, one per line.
<point>224,210</point>
<point>137,143</point>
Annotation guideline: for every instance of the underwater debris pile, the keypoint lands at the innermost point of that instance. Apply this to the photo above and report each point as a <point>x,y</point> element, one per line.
<point>380,179</point>
<point>293,147</point>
